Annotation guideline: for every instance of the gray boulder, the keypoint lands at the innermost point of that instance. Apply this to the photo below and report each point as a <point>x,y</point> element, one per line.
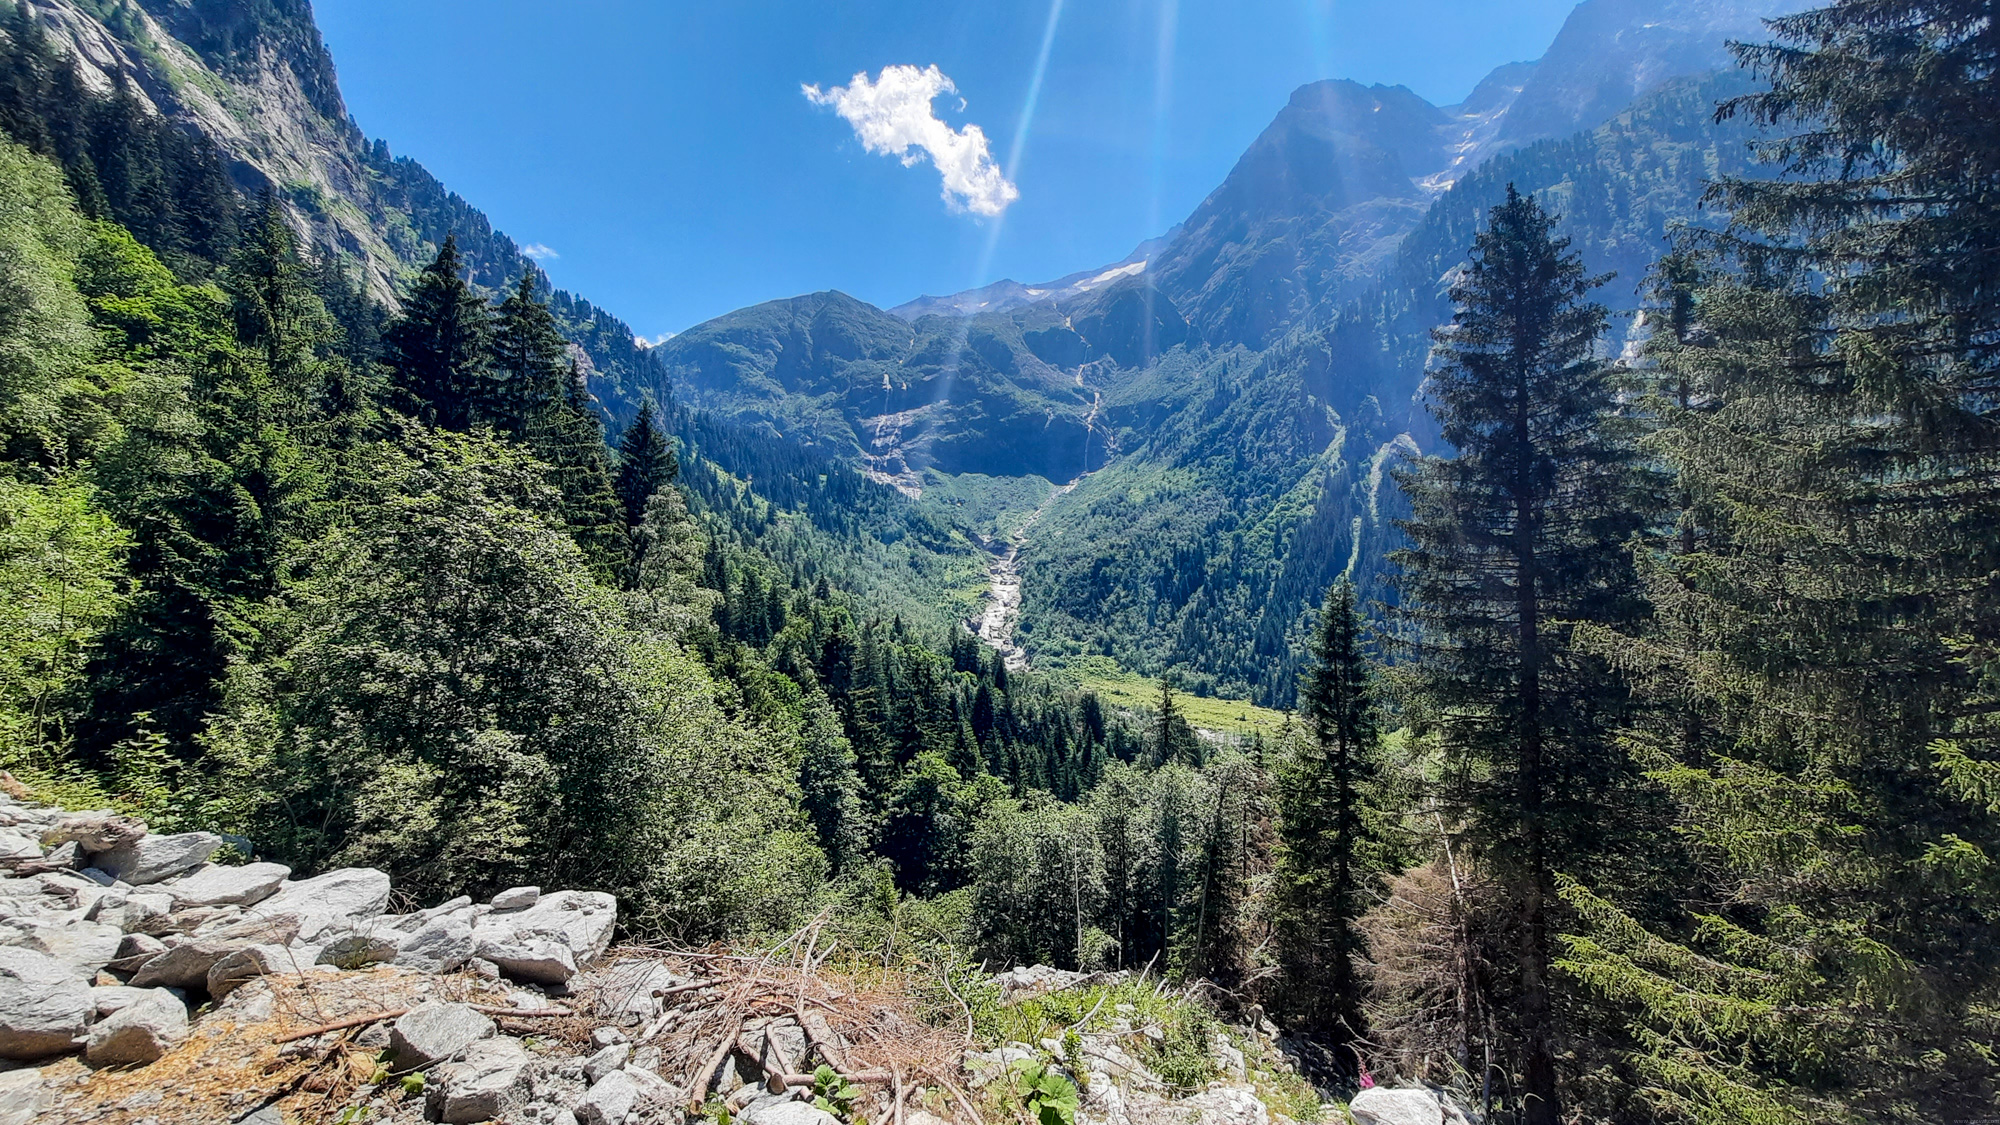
<point>84,947</point>
<point>95,831</point>
<point>610,1101</point>
<point>358,951</point>
<point>139,1032</point>
<point>581,920</point>
<point>517,898</point>
<point>434,1032</point>
<point>150,859</point>
<point>480,1086</point>
<point>247,964</point>
<point>186,965</point>
<point>130,911</point>
<point>335,900</point>
<point>216,885</point>
<point>43,1006</point>
<point>110,998</point>
<point>1379,1105</point>
<point>439,947</point>
<point>612,1057</point>
<point>14,845</point>
<point>23,1096</point>
<point>783,1111</point>
<point>536,960</point>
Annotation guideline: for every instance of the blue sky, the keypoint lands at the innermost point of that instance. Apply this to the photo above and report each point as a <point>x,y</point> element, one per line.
<point>665,152</point>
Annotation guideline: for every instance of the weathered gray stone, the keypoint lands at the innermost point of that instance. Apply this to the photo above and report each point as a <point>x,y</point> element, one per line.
<point>610,1101</point>
<point>781,1111</point>
<point>95,831</point>
<point>83,946</point>
<point>23,1096</point>
<point>336,900</point>
<point>43,1005</point>
<point>1380,1105</point>
<point>249,963</point>
<point>140,1032</point>
<point>186,965</point>
<point>654,1091</point>
<point>358,951</point>
<point>536,960</point>
<point>109,998</point>
<point>605,1061</point>
<point>581,920</point>
<point>217,885</point>
<point>434,1032</point>
<point>150,859</point>
<point>14,845</point>
<point>65,855</point>
<point>439,947</point>
<point>130,910</point>
<point>135,951</point>
<point>625,990</point>
<point>479,1087</point>
<point>517,898</point>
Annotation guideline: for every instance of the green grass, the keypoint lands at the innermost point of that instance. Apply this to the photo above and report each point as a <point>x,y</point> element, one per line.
<point>1132,691</point>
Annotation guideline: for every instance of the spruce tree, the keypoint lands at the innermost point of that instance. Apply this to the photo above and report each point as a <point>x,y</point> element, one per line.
<point>529,361</point>
<point>1837,458</point>
<point>438,350</point>
<point>1329,832</point>
<point>646,463</point>
<point>1517,539</point>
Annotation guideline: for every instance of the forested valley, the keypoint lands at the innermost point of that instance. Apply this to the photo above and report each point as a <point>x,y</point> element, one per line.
<point>1652,776</point>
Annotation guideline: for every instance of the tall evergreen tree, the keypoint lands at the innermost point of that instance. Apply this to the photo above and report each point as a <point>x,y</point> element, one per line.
<point>1516,540</point>
<point>646,463</point>
<point>529,361</point>
<point>439,348</point>
<point>1838,459</point>
<point>1329,834</point>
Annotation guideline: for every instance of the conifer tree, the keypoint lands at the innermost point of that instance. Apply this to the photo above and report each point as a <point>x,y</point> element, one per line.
<point>530,359</point>
<point>1837,461</point>
<point>646,463</point>
<point>1516,539</point>
<point>439,349</point>
<point>1329,835</point>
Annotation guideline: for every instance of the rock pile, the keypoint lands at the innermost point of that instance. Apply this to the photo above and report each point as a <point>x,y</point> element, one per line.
<point>145,982</point>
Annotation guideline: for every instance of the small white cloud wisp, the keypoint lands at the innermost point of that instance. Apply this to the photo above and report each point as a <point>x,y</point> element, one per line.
<point>892,115</point>
<point>539,252</point>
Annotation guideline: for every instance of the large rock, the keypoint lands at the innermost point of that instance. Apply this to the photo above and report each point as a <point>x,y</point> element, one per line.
<point>131,911</point>
<point>612,1057</point>
<point>581,920</point>
<point>186,965</point>
<point>479,1087</point>
<point>1379,1105</point>
<point>335,900</point>
<point>150,859</point>
<point>1226,1105</point>
<point>23,1096</point>
<point>625,990</point>
<point>14,845</point>
<point>248,963</point>
<point>43,1006</point>
<point>216,885</point>
<point>439,947</point>
<point>517,898</point>
<point>535,959</point>
<point>358,951</point>
<point>95,831</point>
<point>139,1032</point>
<point>84,947</point>
<point>433,1032</point>
<point>777,1111</point>
<point>610,1101</point>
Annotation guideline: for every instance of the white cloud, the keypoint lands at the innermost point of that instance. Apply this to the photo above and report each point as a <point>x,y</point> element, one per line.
<point>655,341</point>
<point>892,115</point>
<point>539,252</point>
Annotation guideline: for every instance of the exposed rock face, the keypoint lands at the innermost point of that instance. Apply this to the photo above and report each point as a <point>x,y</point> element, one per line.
<point>43,1005</point>
<point>216,885</point>
<point>139,1032</point>
<point>1382,1106</point>
<point>150,859</point>
<point>435,1032</point>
